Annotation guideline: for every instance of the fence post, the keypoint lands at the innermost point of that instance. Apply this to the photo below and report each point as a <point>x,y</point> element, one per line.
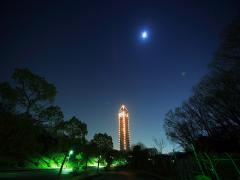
<point>199,164</point>
<point>234,164</point>
<point>213,168</point>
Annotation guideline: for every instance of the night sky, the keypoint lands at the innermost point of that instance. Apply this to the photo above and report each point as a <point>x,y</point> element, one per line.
<point>94,54</point>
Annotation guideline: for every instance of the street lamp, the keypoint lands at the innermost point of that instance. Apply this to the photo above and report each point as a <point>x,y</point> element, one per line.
<point>65,157</point>
<point>70,153</point>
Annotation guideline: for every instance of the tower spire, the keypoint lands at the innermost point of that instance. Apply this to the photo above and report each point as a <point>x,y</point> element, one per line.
<point>124,131</point>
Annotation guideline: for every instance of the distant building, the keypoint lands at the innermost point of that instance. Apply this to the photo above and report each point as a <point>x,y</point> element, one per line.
<point>124,131</point>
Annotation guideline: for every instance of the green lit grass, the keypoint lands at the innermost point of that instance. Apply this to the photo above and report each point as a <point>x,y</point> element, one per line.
<point>76,161</point>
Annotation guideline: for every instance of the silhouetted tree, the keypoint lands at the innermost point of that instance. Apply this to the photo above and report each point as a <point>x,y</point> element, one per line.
<point>22,104</point>
<point>33,91</point>
<point>8,98</point>
<point>227,57</point>
<point>212,115</point>
<point>159,143</point>
<point>140,155</point>
<point>19,136</point>
<point>89,149</point>
<point>51,117</point>
<point>109,158</point>
<point>76,129</point>
<point>104,145</point>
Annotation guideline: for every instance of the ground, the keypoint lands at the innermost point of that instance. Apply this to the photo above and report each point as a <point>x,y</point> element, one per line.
<point>34,174</point>
<point>129,175</point>
<point>52,174</point>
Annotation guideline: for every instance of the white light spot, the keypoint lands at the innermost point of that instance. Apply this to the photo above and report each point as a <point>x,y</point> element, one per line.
<point>144,34</point>
<point>183,73</point>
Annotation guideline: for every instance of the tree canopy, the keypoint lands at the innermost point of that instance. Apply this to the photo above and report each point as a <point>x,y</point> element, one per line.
<point>52,116</point>
<point>75,128</point>
<point>211,116</point>
<point>33,91</point>
<point>29,121</point>
<point>103,142</point>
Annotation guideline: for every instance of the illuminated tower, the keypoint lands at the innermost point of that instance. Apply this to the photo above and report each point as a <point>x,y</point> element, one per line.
<point>123,128</point>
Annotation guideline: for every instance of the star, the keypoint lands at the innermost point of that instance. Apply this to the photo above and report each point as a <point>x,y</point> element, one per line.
<point>183,73</point>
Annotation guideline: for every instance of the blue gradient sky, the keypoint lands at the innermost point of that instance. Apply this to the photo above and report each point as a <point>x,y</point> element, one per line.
<point>93,53</point>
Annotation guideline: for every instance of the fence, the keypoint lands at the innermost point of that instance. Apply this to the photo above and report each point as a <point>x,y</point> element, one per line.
<point>185,166</point>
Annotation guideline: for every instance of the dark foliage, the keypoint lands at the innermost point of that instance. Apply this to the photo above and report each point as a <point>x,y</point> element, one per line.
<point>30,128</point>
<point>210,118</point>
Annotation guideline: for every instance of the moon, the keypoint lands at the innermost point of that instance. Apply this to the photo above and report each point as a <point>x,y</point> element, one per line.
<point>144,35</point>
